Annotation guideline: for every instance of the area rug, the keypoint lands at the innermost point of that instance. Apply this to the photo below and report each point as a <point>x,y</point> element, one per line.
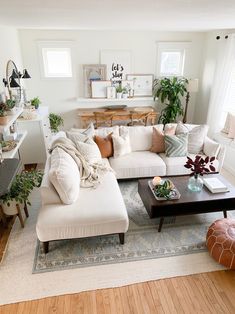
<point>102,263</point>
<point>180,236</point>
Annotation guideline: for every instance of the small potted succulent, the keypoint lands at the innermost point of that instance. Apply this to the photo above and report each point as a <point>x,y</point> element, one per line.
<point>3,114</point>
<point>55,122</point>
<point>35,102</point>
<point>10,105</point>
<point>198,166</point>
<point>119,90</point>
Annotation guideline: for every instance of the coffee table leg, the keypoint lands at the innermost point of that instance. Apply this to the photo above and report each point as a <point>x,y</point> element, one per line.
<point>225,213</point>
<point>160,224</point>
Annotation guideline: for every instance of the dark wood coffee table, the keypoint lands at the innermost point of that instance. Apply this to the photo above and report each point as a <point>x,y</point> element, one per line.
<point>190,203</point>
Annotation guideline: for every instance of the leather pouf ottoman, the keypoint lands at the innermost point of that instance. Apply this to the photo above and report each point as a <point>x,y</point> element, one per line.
<point>220,241</point>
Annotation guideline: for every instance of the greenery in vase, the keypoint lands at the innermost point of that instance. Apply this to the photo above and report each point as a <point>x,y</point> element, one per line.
<point>170,91</point>
<point>22,186</point>
<point>55,122</point>
<point>200,165</point>
<point>119,89</point>
<point>35,102</point>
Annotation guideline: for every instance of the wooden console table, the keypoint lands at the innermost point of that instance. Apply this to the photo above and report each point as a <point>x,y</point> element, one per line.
<point>86,115</point>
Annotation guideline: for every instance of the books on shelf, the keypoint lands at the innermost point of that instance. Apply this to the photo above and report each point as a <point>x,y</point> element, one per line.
<point>215,185</point>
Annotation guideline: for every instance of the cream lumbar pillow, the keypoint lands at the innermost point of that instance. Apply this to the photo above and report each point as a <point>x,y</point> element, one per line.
<point>65,176</point>
<point>90,150</point>
<point>121,144</point>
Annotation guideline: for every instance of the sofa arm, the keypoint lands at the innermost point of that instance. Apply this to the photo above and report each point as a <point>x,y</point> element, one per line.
<point>221,156</point>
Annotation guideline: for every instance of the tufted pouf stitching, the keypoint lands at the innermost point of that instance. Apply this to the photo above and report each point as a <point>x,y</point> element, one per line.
<point>221,243</point>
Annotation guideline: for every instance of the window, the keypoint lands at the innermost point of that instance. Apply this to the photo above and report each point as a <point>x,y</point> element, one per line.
<point>57,62</point>
<point>171,58</point>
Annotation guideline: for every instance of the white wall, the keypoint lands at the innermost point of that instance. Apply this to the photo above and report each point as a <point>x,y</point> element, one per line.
<point>10,50</point>
<point>60,95</point>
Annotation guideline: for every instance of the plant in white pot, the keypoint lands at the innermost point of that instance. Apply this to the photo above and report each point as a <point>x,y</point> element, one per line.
<point>18,197</point>
<point>125,93</point>
<point>10,105</point>
<point>56,121</point>
<point>119,90</point>
<point>3,114</point>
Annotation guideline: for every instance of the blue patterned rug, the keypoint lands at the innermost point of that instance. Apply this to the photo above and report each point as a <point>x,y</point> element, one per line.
<point>179,236</point>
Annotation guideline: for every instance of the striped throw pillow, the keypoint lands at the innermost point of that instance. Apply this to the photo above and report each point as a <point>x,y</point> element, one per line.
<point>176,145</point>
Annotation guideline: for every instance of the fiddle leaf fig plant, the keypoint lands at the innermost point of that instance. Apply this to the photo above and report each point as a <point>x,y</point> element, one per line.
<point>55,122</point>
<point>170,92</point>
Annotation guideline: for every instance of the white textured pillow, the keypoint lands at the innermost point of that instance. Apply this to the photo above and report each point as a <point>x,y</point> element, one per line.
<point>90,150</point>
<point>140,136</point>
<point>103,132</point>
<point>211,148</point>
<point>227,122</point>
<point>65,176</point>
<point>121,145</point>
<point>80,134</point>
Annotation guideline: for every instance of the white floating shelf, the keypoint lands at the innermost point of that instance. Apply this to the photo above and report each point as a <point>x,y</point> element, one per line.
<point>11,120</point>
<point>134,99</point>
<point>20,139</point>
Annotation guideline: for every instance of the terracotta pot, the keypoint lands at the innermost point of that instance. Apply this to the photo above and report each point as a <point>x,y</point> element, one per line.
<point>3,120</point>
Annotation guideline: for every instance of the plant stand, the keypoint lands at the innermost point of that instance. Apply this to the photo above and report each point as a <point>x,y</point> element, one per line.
<point>20,215</point>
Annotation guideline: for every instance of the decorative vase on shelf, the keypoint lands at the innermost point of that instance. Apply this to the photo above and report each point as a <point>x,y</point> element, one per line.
<point>119,95</point>
<point>195,183</point>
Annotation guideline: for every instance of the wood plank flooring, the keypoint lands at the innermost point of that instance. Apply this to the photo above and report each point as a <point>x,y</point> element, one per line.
<point>202,293</point>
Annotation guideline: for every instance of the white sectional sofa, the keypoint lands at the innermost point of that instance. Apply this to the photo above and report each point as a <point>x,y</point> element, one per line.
<point>102,210</point>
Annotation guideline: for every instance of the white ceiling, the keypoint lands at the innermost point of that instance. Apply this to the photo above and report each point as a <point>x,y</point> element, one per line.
<point>174,15</point>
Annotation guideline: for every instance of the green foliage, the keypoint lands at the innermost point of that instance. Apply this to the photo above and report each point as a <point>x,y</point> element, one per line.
<point>35,102</point>
<point>169,91</point>
<point>163,190</point>
<point>10,104</point>
<point>3,109</point>
<point>55,122</point>
<point>119,89</point>
<point>22,187</point>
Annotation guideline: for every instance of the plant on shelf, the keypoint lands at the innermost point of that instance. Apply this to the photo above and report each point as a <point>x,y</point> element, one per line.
<point>198,166</point>
<point>119,89</point>
<point>10,104</point>
<point>35,102</point>
<point>55,122</point>
<point>3,114</point>
<point>21,187</point>
<point>162,188</point>
<point>170,91</point>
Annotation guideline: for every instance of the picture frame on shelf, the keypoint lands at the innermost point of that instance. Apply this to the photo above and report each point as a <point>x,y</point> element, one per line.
<point>111,92</point>
<point>92,72</point>
<point>118,62</point>
<point>142,84</point>
<point>99,89</point>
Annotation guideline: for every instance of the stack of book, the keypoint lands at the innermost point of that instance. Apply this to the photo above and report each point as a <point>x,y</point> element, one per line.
<point>215,185</point>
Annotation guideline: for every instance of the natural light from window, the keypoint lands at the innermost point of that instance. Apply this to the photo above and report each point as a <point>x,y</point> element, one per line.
<point>172,63</point>
<point>57,62</point>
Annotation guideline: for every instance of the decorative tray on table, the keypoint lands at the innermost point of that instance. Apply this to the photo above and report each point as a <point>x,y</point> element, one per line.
<point>116,107</point>
<point>174,195</point>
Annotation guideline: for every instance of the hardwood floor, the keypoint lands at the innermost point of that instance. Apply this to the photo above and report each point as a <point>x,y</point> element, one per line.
<point>203,293</point>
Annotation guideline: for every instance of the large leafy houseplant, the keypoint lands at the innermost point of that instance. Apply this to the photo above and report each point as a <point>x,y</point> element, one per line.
<point>55,122</point>
<point>170,91</point>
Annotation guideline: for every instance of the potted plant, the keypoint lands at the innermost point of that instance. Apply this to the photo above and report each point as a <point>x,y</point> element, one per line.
<point>125,93</point>
<point>119,91</point>
<point>170,91</point>
<point>3,114</point>
<point>35,102</point>
<point>55,122</point>
<point>10,105</point>
<point>20,190</point>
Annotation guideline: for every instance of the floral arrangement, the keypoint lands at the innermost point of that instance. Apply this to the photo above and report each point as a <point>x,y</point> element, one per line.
<point>162,188</point>
<point>200,165</point>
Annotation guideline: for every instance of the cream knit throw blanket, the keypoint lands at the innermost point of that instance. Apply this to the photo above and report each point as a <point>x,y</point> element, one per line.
<point>90,172</point>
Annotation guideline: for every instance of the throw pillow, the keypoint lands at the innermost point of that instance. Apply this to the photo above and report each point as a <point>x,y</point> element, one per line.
<point>105,145</point>
<point>226,128</point>
<point>158,142</point>
<point>231,133</point>
<point>211,148</point>
<point>89,150</point>
<point>81,135</point>
<point>64,175</point>
<point>176,145</point>
<point>121,145</point>
<point>103,132</point>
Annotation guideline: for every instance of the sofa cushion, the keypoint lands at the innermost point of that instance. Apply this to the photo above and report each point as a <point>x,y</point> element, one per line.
<point>81,135</point>
<point>176,145</point>
<point>121,144</point>
<point>64,175</point>
<point>211,148</point>
<point>138,164</point>
<point>105,145</point>
<point>103,132</point>
<point>97,211</point>
<point>140,136</point>
<point>89,150</point>
<point>158,139</point>
<point>175,165</point>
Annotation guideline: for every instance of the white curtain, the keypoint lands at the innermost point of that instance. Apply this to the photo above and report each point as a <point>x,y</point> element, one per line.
<point>222,81</point>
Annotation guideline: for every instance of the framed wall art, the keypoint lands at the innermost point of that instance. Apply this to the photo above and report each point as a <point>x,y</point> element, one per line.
<point>118,62</point>
<point>142,84</point>
<point>99,88</point>
<point>92,72</point>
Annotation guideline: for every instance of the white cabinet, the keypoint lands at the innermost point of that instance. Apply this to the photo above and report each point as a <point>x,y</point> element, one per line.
<point>35,147</point>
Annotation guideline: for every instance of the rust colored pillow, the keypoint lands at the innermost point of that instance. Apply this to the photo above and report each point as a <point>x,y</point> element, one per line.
<point>105,145</point>
<point>158,142</point>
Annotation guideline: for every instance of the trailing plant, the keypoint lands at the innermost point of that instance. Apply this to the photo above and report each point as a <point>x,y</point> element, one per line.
<point>55,122</point>
<point>35,102</point>
<point>200,165</point>
<point>10,104</point>
<point>22,186</point>
<point>170,91</point>
<point>3,110</point>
